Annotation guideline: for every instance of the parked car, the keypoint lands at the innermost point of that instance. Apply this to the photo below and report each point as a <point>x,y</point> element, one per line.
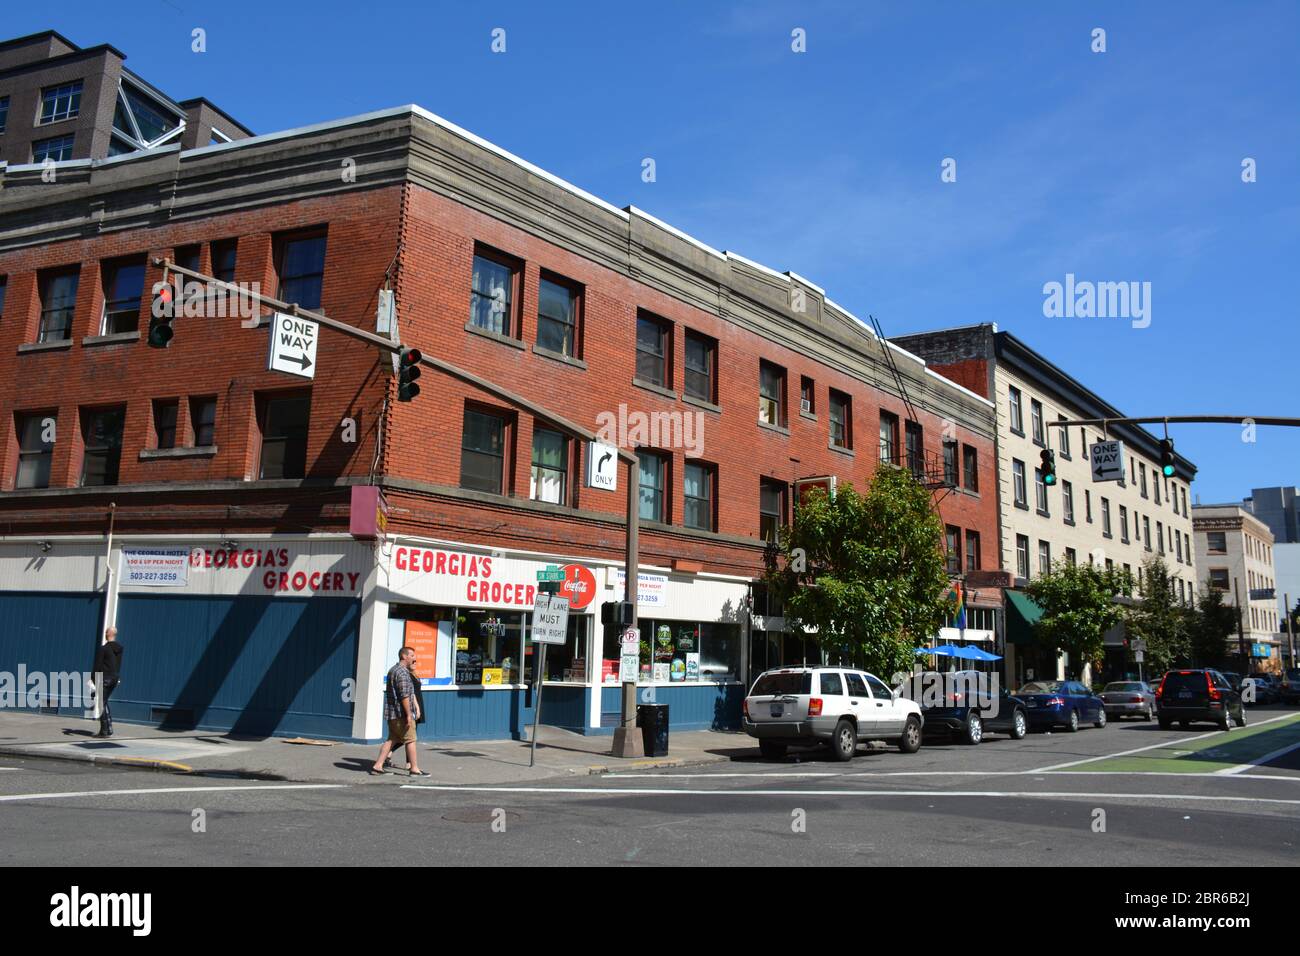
<point>1266,691</point>
<point>964,714</point>
<point>1291,686</point>
<point>1198,695</point>
<point>1061,703</point>
<point>1129,698</point>
<point>1233,678</point>
<point>837,706</point>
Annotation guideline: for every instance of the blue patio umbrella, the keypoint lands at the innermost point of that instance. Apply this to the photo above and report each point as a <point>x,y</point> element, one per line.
<point>972,653</point>
<point>943,650</point>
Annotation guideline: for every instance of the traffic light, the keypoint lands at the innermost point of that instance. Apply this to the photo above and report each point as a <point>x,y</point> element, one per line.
<point>161,313</point>
<point>614,613</point>
<point>408,370</point>
<point>1049,466</point>
<point>1167,457</point>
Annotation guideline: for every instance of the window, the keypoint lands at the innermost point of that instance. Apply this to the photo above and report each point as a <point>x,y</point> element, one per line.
<point>914,436</point>
<point>1146,532</point>
<point>1087,505</point>
<point>771,508</point>
<point>653,350</point>
<point>203,420</point>
<point>164,422</point>
<point>653,479</point>
<point>1184,497</point>
<point>1105,518</point>
<point>1044,558</point>
<point>223,260</point>
<point>1017,416</point>
<point>493,293</point>
<point>1067,501</point>
<point>1040,492</point>
<point>807,396</point>
<point>1019,490</point>
<point>4,112</point>
<point>101,433</point>
<point>188,257</point>
<point>1218,579</point>
<point>1155,482</point>
<point>771,394</point>
<point>701,352</point>
<point>952,548</point>
<point>889,438</point>
<point>58,300</point>
<point>57,149</point>
<point>1022,555</point>
<point>550,466</point>
<point>152,119</point>
<point>1216,542</point>
<point>35,431</point>
<point>302,269</point>
<point>60,102</point>
<point>483,452</point>
<point>1142,472</point>
<point>1036,419</point>
<point>950,476</point>
<point>973,551</point>
<point>4,284</point>
<point>1071,557</point>
<point>1160,537</point>
<point>970,468</point>
<point>698,486</point>
<point>1065,438</point>
<point>1123,524</point>
<point>557,318</point>
<point>283,420</point>
<point>841,418</point>
<point>1178,546</point>
<point>123,287</point>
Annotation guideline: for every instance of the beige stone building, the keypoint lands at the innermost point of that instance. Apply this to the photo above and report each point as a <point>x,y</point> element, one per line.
<point>1234,552</point>
<point>1119,523</point>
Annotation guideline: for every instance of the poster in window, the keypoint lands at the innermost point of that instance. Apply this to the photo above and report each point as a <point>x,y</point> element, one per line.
<point>422,637</point>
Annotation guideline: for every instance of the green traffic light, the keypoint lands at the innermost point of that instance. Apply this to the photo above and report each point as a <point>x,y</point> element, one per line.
<point>1168,470</point>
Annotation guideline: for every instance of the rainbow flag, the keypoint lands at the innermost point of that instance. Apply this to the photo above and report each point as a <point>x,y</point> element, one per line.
<point>959,609</point>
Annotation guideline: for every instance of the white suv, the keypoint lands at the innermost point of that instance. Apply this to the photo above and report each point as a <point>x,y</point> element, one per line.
<point>838,706</point>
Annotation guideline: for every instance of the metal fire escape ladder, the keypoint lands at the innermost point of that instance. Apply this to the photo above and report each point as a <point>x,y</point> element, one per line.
<point>930,473</point>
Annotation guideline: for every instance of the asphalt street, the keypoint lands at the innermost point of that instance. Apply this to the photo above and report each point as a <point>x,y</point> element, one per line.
<point>1128,794</point>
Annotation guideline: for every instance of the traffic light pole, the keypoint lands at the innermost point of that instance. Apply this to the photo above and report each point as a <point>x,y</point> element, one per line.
<point>1102,423</point>
<point>391,346</point>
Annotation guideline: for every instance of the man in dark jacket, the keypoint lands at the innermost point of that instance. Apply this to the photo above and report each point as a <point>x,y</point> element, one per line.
<point>108,668</point>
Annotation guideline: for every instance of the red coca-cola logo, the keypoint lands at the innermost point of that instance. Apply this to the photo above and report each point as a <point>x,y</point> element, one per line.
<point>579,586</point>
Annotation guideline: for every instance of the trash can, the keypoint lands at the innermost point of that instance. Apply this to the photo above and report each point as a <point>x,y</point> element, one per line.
<point>653,721</point>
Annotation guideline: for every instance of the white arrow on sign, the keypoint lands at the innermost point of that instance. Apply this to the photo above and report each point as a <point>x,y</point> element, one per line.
<point>1107,460</point>
<point>602,466</point>
<point>293,345</point>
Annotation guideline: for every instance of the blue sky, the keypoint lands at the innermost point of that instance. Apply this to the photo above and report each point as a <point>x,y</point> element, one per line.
<point>1115,166</point>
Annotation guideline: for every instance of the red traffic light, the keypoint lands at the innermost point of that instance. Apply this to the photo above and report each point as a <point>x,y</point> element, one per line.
<point>411,357</point>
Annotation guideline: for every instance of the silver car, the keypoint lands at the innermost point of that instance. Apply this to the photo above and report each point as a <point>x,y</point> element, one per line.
<point>1129,698</point>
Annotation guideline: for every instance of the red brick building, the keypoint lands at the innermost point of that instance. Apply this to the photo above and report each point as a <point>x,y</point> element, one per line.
<point>228,489</point>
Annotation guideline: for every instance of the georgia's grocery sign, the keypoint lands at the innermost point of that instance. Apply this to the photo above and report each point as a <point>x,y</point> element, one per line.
<point>479,580</point>
<point>275,570</point>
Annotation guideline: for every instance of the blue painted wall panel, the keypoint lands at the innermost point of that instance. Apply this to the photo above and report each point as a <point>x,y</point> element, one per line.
<point>699,707</point>
<point>471,715</point>
<point>50,633</point>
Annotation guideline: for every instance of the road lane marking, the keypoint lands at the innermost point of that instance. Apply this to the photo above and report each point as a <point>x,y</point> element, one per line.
<point>1002,794</point>
<point>1138,750</point>
<point>14,797</point>
<point>1258,761</point>
<point>939,773</point>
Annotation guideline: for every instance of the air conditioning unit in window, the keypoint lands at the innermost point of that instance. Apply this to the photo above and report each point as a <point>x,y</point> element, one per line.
<point>805,405</point>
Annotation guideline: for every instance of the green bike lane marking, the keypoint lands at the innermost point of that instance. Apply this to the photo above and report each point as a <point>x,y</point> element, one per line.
<point>1220,752</point>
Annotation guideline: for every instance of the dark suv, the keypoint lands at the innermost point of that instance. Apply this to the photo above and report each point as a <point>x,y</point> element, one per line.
<point>965,707</point>
<point>1198,695</point>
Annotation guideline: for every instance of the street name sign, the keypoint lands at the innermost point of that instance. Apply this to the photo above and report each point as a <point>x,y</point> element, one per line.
<point>293,345</point>
<point>550,619</point>
<point>1107,459</point>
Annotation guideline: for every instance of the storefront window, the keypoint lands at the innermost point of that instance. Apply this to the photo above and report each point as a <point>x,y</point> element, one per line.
<point>673,651</point>
<point>490,648</point>
<point>568,662</point>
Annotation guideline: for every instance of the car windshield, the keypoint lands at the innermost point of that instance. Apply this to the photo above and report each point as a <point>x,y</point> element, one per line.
<point>1122,685</point>
<point>1188,680</point>
<point>1043,687</point>
<point>780,684</point>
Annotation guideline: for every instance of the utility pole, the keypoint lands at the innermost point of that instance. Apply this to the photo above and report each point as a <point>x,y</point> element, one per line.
<point>1241,634</point>
<point>1290,631</point>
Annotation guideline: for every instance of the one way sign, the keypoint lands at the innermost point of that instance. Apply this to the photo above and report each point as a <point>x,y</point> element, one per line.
<point>1107,460</point>
<point>293,345</point>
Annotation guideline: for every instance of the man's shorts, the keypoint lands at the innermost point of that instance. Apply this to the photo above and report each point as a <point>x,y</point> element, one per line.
<point>401,731</point>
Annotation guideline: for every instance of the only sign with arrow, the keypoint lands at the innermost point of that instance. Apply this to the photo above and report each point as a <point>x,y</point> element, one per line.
<point>293,345</point>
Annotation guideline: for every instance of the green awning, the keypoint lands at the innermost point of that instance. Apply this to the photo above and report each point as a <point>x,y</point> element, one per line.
<point>1023,612</point>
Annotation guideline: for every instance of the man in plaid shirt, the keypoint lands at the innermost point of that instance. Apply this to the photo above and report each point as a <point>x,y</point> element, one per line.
<point>401,709</point>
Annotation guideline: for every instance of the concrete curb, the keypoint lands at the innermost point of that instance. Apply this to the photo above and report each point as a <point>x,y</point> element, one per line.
<point>653,764</point>
<point>142,763</point>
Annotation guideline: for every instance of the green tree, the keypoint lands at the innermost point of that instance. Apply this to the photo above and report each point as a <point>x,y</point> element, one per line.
<point>1160,620</point>
<point>864,574</point>
<point>1078,602</point>
<point>1215,623</point>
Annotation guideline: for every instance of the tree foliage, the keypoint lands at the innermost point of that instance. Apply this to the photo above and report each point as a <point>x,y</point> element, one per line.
<point>1160,620</point>
<point>1215,623</point>
<point>1078,602</point>
<point>864,574</point>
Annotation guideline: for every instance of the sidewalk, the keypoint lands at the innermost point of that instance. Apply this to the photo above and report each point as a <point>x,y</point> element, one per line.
<point>559,753</point>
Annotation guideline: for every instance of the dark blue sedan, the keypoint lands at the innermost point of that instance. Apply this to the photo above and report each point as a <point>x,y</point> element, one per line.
<point>1061,703</point>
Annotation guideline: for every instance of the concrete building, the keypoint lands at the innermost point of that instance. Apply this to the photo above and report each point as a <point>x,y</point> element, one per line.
<point>1120,523</point>
<point>61,102</point>
<point>1234,550</point>
<point>266,542</point>
<point>1279,508</point>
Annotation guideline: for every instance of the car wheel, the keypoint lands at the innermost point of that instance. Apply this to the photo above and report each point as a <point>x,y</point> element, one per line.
<point>1019,726</point>
<point>973,732</point>
<point>1147,714</point>
<point>845,741</point>
<point>1241,716</point>
<point>1072,725</point>
<point>1223,722</point>
<point>771,749</point>
<point>1101,719</point>
<point>910,742</point>
<point>1183,725</point>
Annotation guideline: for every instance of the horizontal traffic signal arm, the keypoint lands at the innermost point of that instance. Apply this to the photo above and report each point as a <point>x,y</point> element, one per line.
<point>1176,419</point>
<point>390,346</point>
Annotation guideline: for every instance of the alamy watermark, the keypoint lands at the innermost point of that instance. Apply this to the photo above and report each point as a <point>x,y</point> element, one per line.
<point>1084,299</point>
<point>36,689</point>
<point>632,428</point>
<point>209,300</point>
